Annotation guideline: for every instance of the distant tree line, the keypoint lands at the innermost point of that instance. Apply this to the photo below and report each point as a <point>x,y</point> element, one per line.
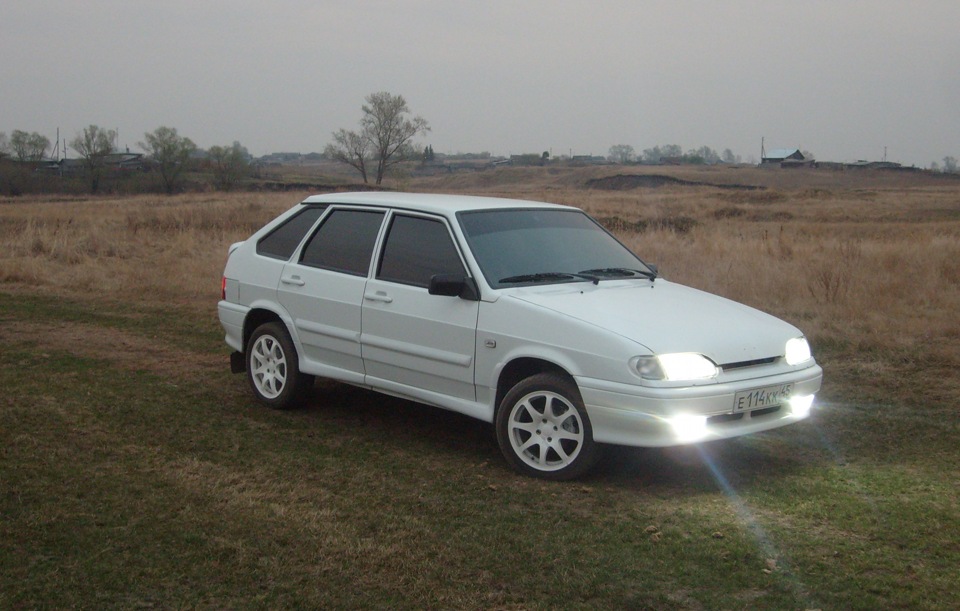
<point>670,153</point>
<point>168,158</point>
<point>384,139</point>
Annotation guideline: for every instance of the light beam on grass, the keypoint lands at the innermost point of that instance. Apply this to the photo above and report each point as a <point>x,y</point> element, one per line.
<point>746,516</point>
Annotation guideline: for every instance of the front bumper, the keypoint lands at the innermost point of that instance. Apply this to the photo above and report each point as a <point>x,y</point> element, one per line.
<point>642,416</point>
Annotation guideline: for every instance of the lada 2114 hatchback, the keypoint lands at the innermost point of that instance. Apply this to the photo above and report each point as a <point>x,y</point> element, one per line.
<point>526,315</point>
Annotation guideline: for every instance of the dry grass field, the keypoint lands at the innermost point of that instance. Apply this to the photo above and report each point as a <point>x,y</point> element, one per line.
<point>866,263</point>
<point>869,266</point>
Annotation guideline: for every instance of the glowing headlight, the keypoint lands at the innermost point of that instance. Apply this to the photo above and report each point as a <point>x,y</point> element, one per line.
<point>679,366</point>
<point>797,351</point>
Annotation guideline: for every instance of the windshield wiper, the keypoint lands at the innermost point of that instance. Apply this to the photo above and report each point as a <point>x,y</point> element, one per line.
<point>549,277</point>
<point>624,272</point>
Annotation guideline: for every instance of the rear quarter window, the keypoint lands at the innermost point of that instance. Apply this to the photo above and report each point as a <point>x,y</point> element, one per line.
<point>282,241</point>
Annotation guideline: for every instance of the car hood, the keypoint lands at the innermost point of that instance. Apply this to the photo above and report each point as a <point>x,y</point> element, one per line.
<point>666,317</point>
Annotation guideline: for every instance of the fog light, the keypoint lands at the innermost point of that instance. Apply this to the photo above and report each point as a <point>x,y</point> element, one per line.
<point>800,405</point>
<point>689,428</point>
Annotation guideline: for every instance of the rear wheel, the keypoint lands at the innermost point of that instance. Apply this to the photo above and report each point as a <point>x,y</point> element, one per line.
<point>543,429</point>
<point>273,367</point>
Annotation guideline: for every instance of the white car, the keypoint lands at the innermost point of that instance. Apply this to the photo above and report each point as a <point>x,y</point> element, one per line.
<point>526,315</point>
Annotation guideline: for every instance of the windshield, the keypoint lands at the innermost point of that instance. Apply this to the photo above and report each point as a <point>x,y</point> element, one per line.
<point>537,246</point>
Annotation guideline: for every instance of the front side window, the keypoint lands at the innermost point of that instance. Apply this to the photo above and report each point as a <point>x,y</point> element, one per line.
<point>416,249</point>
<point>344,242</point>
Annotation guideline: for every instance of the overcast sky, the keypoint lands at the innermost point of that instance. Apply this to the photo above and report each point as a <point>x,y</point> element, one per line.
<point>844,79</point>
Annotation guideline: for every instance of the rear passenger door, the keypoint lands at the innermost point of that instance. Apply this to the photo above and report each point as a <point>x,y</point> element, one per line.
<point>323,291</point>
<point>415,343</point>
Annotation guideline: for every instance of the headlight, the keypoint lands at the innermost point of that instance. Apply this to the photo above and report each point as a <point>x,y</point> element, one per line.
<point>797,351</point>
<point>679,366</point>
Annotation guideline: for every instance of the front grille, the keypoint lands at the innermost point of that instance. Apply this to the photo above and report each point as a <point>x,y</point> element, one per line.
<point>724,418</point>
<point>743,364</point>
<point>757,413</point>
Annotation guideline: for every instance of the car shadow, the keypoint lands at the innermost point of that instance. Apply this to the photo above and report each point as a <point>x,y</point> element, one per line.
<point>717,465</point>
<point>387,417</point>
<point>735,463</point>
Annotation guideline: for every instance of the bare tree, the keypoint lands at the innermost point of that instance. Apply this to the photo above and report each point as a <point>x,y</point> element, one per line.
<point>949,164</point>
<point>28,147</point>
<point>391,132</point>
<point>4,153</point>
<point>655,154</point>
<point>702,155</point>
<point>385,136</point>
<point>170,151</point>
<point>351,148</point>
<point>621,153</point>
<point>94,144</point>
<point>230,163</point>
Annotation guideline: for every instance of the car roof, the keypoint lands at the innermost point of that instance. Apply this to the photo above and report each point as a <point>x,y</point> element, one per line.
<point>428,202</point>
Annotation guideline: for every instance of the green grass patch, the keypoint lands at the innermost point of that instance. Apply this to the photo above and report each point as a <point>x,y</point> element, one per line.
<point>184,326</point>
<point>124,485</point>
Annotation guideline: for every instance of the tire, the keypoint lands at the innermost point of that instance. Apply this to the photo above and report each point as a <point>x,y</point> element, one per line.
<point>273,368</point>
<point>543,429</point>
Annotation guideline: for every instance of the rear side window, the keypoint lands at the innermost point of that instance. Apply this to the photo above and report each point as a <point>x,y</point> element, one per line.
<point>282,241</point>
<point>344,242</point>
<point>416,249</point>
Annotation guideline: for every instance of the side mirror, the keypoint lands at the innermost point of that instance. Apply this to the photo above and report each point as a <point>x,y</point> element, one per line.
<point>454,285</point>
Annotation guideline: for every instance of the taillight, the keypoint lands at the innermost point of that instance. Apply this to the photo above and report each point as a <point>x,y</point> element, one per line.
<point>223,288</point>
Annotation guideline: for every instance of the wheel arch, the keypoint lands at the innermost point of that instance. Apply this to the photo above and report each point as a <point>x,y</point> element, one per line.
<point>521,368</point>
<point>256,317</point>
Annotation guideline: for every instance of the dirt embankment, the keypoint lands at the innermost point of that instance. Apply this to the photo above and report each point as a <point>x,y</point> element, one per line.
<point>626,182</point>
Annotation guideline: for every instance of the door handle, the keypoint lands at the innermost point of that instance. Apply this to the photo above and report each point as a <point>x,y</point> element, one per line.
<point>294,280</point>
<point>379,296</point>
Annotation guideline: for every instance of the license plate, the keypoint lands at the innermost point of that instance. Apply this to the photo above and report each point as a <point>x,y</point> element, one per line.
<point>761,397</point>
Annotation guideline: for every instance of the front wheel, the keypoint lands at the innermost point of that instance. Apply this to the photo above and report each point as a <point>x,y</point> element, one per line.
<point>543,429</point>
<point>273,367</point>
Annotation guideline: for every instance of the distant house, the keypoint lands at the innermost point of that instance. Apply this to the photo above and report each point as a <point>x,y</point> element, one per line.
<point>118,161</point>
<point>527,159</point>
<point>124,160</point>
<point>875,165</point>
<point>589,160</point>
<point>781,155</point>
